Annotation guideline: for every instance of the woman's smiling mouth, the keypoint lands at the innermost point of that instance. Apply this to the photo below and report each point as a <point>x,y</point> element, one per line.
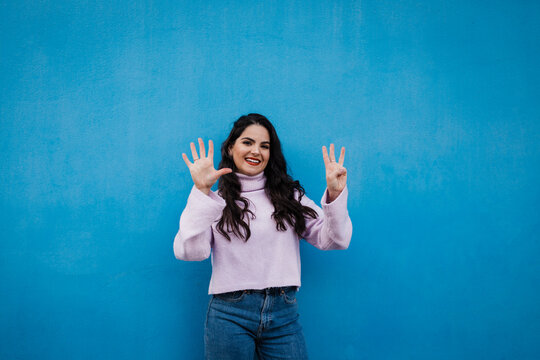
<point>253,161</point>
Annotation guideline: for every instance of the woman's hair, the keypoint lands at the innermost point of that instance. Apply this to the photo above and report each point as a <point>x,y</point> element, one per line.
<point>280,187</point>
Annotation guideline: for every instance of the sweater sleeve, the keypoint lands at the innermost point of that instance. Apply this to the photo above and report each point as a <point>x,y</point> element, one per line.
<point>332,229</point>
<point>194,238</point>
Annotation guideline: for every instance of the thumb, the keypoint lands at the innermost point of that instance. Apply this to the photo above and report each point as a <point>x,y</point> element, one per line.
<point>223,171</point>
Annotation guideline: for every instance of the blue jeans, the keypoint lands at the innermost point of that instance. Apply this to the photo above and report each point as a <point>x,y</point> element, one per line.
<point>251,324</point>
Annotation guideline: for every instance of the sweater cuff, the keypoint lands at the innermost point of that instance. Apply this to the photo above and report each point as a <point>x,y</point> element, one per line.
<point>212,202</point>
<point>341,200</point>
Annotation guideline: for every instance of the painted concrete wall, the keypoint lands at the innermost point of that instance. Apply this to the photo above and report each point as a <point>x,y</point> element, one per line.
<point>437,103</point>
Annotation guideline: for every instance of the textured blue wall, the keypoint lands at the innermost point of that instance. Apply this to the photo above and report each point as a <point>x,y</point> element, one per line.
<point>437,103</point>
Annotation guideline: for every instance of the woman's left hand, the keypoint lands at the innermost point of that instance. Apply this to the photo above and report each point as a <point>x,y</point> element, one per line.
<point>336,174</point>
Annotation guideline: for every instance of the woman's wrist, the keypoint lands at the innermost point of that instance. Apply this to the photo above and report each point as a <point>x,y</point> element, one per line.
<point>333,195</point>
<point>204,190</point>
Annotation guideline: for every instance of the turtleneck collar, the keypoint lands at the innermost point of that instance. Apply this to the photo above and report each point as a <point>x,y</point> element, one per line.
<point>252,183</point>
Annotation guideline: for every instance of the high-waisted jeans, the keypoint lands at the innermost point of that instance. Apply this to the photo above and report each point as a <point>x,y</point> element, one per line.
<point>254,324</point>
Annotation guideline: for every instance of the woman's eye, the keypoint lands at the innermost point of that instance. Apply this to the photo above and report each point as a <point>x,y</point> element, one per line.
<point>265,147</point>
<point>246,143</point>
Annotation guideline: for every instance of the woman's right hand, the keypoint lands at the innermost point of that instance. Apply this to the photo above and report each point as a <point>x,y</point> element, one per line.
<point>202,168</point>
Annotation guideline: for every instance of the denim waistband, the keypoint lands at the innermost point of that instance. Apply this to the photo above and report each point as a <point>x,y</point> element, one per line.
<point>272,290</point>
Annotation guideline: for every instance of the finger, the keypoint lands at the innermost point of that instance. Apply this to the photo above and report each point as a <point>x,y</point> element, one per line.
<point>342,156</point>
<point>337,172</point>
<point>201,148</point>
<point>325,156</point>
<point>211,150</point>
<point>194,152</point>
<point>332,156</point>
<point>186,160</point>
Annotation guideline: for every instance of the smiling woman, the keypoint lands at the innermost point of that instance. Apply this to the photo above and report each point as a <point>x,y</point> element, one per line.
<point>251,151</point>
<point>252,227</point>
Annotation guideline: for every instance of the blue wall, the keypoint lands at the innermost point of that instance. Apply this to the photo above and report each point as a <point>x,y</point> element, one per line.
<point>437,103</point>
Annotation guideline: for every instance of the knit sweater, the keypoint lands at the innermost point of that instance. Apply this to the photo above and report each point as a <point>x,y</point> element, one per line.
<point>270,258</point>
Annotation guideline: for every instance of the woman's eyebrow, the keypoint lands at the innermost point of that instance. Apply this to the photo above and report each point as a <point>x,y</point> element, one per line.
<point>250,139</point>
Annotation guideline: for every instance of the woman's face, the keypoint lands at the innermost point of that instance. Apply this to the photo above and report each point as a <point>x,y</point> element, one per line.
<point>251,150</point>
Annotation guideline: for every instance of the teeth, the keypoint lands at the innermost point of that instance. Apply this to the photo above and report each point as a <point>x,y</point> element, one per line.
<point>253,161</point>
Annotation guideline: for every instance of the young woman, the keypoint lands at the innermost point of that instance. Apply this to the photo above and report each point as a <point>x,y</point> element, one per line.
<point>252,227</point>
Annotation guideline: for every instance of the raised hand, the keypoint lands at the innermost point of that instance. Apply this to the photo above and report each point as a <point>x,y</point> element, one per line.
<point>336,174</point>
<point>202,169</point>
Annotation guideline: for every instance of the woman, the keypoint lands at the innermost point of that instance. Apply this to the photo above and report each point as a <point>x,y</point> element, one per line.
<point>252,226</point>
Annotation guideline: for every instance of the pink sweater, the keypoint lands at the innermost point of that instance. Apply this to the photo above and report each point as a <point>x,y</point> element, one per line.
<point>270,258</point>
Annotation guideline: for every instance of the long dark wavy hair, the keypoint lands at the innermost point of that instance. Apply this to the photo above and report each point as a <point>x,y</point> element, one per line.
<point>280,187</point>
